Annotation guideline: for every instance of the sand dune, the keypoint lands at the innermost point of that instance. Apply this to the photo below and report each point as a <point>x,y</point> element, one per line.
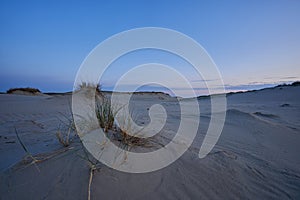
<point>256,157</point>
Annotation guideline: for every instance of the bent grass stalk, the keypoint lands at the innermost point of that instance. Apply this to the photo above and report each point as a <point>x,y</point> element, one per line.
<point>34,160</point>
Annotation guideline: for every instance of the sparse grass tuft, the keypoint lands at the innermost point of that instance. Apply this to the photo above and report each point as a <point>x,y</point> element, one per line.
<point>92,86</point>
<point>123,131</point>
<point>64,137</point>
<point>126,133</point>
<point>64,134</point>
<point>131,141</point>
<point>105,114</point>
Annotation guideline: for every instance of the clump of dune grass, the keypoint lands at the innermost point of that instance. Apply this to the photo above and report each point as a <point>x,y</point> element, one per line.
<point>27,89</point>
<point>105,114</point>
<point>103,108</point>
<point>90,86</point>
<point>123,129</point>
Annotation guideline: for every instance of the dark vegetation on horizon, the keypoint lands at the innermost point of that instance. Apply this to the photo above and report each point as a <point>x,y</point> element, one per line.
<point>27,89</point>
<point>297,83</point>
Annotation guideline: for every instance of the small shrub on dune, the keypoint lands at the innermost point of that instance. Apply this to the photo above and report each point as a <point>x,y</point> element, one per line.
<point>28,89</point>
<point>297,83</point>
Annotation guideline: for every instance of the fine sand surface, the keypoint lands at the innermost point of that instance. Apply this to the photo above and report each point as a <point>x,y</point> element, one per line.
<point>256,157</point>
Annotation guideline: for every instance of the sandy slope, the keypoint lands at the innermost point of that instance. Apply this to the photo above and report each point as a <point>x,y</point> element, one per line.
<point>256,157</point>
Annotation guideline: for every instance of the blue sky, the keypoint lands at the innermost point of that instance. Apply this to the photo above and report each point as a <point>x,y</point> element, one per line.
<point>253,43</point>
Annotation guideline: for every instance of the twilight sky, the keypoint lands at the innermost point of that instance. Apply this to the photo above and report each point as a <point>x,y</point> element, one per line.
<point>253,43</point>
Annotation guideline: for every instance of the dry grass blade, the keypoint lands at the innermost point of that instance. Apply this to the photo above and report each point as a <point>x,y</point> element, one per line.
<point>34,160</point>
<point>92,169</point>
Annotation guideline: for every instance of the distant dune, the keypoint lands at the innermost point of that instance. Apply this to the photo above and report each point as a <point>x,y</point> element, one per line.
<point>25,91</point>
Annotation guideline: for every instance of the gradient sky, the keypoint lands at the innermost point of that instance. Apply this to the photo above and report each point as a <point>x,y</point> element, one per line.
<point>253,43</point>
